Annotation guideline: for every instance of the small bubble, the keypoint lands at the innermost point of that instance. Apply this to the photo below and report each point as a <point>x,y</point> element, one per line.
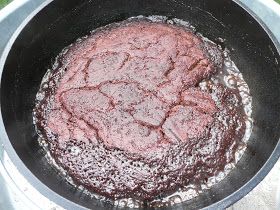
<point>231,81</point>
<point>122,203</point>
<point>74,150</point>
<point>232,69</point>
<point>175,199</point>
<point>248,110</point>
<point>228,63</point>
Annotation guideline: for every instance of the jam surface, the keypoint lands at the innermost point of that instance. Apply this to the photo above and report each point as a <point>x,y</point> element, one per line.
<point>123,113</point>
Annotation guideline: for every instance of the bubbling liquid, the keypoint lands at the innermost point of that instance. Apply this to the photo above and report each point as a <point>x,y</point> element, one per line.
<point>228,76</point>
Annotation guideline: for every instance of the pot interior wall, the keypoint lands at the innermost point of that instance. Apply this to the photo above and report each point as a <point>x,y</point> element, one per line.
<point>62,22</point>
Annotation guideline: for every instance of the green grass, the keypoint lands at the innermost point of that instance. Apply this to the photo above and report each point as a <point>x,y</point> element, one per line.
<point>278,1</point>
<point>4,3</point>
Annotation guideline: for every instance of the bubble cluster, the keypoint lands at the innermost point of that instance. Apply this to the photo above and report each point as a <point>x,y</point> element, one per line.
<point>141,110</point>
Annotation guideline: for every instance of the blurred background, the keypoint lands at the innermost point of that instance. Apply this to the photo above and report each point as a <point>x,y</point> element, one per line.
<point>3,3</point>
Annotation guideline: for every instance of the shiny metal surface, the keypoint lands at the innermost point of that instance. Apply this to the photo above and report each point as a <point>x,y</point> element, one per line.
<point>17,193</point>
<point>266,196</point>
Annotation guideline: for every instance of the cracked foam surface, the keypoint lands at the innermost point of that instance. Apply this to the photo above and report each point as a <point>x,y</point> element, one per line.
<point>128,99</point>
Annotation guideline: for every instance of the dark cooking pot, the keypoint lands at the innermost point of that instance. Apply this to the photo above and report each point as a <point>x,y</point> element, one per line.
<point>33,49</point>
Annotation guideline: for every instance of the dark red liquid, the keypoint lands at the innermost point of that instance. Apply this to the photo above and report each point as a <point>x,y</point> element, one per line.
<point>123,113</point>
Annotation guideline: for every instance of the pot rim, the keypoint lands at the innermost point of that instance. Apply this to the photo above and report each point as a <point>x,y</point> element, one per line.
<point>68,204</point>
